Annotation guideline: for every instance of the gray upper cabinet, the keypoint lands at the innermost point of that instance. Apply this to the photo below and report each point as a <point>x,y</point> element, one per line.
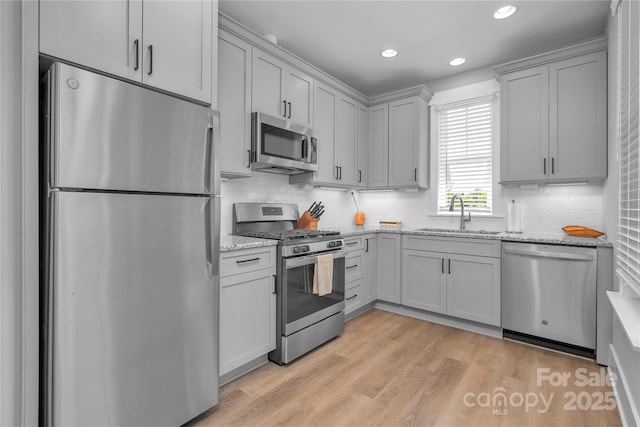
<point>378,176</point>
<point>346,144</point>
<point>234,103</point>
<point>408,137</point>
<point>525,124</point>
<point>398,144</point>
<point>281,90</point>
<point>553,126</point>
<point>137,41</point>
<point>578,117</point>
<point>325,112</point>
<point>362,167</point>
<point>338,120</point>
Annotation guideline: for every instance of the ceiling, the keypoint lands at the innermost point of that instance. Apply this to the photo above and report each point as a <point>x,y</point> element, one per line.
<point>344,38</point>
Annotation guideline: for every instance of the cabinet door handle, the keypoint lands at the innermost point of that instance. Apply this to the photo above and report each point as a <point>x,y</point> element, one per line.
<point>553,165</point>
<point>544,166</point>
<point>449,265</point>
<point>352,297</point>
<point>336,175</point>
<point>244,261</point>
<point>367,247</point>
<point>136,44</point>
<point>284,104</point>
<point>442,265</point>
<point>349,267</point>
<point>248,158</point>
<point>352,243</point>
<point>415,174</point>
<point>150,49</point>
<point>340,169</point>
<point>274,284</point>
<point>359,176</point>
<point>289,116</point>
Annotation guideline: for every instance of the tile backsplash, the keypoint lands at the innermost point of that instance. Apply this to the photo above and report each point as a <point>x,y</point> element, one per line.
<point>548,208</point>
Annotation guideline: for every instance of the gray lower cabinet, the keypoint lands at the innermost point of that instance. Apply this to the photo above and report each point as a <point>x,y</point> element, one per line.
<point>360,271</point>
<point>459,282</point>
<point>247,306</point>
<point>370,261</point>
<point>389,262</point>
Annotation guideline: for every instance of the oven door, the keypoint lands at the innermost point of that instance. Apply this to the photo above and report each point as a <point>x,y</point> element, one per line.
<point>300,306</point>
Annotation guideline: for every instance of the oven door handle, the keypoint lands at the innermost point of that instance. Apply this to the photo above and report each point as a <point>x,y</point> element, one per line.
<point>311,259</point>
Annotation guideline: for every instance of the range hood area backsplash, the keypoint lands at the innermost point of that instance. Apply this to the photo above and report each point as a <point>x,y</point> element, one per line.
<point>548,208</point>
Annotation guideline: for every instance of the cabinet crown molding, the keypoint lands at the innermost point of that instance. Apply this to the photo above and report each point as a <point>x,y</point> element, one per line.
<point>230,25</point>
<point>587,46</point>
<point>421,90</point>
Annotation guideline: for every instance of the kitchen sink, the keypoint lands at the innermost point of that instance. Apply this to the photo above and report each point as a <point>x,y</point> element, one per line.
<point>457,231</point>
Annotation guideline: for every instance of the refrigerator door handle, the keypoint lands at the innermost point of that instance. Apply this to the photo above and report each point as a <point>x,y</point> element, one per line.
<point>212,136</point>
<point>212,239</point>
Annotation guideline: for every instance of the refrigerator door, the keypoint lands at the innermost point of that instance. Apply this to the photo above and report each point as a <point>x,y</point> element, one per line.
<point>134,297</point>
<point>111,135</point>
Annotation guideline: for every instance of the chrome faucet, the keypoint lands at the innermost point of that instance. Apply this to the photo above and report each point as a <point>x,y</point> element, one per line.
<point>462,218</point>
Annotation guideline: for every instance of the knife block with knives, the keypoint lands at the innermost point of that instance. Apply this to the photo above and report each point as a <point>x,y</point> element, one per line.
<point>310,217</point>
<point>308,222</point>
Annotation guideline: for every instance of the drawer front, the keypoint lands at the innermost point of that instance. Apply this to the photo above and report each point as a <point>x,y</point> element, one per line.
<point>353,295</point>
<point>243,261</point>
<point>453,245</point>
<point>353,243</point>
<point>353,266</point>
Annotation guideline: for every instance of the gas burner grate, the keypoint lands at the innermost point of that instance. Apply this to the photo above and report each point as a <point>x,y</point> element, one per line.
<point>289,235</point>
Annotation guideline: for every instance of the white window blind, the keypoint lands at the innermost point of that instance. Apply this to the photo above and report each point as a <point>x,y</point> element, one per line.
<point>629,145</point>
<point>465,151</point>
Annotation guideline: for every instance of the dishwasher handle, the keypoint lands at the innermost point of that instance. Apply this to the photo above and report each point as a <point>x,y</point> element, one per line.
<point>546,254</point>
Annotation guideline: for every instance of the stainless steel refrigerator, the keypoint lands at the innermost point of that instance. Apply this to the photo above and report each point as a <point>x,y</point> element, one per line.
<point>130,234</point>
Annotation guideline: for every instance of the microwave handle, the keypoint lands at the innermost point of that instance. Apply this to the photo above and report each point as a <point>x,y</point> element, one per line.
<point>305,149</point>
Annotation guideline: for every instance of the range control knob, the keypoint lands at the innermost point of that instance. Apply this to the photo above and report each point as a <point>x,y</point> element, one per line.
<point>296,249</point>
<point>331,244</point>
<point>305,248</point>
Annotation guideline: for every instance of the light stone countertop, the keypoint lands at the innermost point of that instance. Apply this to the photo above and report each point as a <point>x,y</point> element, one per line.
<point>541,238</point>
<point>231,242</point>
<point>235,243</point>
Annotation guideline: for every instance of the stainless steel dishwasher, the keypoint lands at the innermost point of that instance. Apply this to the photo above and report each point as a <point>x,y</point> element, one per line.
<point>549,295</point>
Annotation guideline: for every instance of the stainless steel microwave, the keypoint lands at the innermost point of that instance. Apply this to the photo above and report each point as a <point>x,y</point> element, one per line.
<point>279,146</point>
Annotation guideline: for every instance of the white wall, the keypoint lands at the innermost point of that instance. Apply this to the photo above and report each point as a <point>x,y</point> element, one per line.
<point>548,208</point>
<point>18,213</point>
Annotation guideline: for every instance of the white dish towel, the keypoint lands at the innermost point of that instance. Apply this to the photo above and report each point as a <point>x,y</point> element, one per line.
<point>323,275</point>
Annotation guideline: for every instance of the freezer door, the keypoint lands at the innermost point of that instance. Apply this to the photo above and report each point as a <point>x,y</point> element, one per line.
<point>134,300</point>
<point>111,135</point>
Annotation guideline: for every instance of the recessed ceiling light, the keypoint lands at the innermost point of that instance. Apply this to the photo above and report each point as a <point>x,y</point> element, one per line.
<point>389,53</point>
<point>457,61</point>
<point>504,12</point>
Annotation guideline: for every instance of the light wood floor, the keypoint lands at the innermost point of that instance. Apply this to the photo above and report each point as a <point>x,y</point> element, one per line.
<point>390,370</point>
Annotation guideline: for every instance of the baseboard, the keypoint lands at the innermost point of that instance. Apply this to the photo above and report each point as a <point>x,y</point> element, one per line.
<point>359,311</point>
<point>467,325</point>
<point>243,370</point>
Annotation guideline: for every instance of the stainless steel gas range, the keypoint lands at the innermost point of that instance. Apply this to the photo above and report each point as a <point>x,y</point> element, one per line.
<point>304,319</point>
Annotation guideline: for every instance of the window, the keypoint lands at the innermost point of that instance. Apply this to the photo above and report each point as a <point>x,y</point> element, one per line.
<point>465,135</point>
<point>629,114</point>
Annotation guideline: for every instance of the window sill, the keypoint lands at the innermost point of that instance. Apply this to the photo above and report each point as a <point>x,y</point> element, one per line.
<point>628,312</point>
